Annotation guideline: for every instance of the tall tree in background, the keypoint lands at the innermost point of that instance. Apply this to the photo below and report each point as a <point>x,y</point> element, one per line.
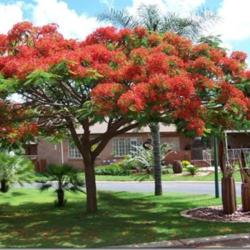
<point>150,17</point>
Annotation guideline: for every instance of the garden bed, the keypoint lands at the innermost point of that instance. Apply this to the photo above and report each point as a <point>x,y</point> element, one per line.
<point>215,213</point>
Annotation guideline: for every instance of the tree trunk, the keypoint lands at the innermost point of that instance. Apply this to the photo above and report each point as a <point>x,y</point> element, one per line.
<point>245,197</point>
<point>90,187</point>
<point>4,186</point>
<point>245,186</point>
<point>228,191</point>
<point>155,132</point>
<point>228,195</point>
<point>60,197</point>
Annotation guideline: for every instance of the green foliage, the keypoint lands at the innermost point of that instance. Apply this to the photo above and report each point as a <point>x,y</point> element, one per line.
<point>191,169</point>
<point>65,175</point>
<point>128,163</point>
<point>66,178</point>
<point>144,158</point>
<point>114,169</point>
<point>39,77</point>
<point>15,169</point>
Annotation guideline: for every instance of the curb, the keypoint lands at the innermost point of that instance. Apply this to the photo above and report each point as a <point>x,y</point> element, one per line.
<point>183,243</point>
<point>188,216</point>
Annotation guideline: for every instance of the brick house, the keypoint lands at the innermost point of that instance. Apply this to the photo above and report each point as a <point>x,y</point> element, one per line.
<point>66,152</point>
<point>185,148</point>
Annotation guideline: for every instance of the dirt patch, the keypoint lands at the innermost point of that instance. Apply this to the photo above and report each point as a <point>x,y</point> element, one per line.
<point>215,213</point>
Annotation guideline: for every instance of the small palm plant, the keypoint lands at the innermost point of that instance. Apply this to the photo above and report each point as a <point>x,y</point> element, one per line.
<point>14,169</point>
<point>66,178</point>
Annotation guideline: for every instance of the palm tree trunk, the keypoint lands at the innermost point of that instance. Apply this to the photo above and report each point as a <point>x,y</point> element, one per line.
<point>60,198</point>
<point>155,133</point>
<point>4,186</point>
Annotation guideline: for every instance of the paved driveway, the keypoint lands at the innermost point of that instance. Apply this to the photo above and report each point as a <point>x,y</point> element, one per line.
<point>173,186</point>
<point>148,186</point>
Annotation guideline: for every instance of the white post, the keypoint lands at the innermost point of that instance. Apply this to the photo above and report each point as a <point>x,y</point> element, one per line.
<point>62,153</point>
<point>226,145</point>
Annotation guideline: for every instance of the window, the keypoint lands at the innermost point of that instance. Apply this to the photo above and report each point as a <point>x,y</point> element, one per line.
<point>74,152</point>
<point>124,146</point>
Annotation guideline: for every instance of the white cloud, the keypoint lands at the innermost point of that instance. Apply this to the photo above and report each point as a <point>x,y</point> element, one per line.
<point>10,14</point>
<point>182,7</point>
<point>235,20</point>
<point>71,24</point>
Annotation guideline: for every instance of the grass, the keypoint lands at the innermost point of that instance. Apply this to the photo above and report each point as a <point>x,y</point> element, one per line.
<point>165,177</point>
<point>28,219</point>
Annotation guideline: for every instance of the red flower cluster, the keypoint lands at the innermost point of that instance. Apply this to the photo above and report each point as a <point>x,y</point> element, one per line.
<point>12,124</point>
<point>105,95</point>
<point>132,71</point>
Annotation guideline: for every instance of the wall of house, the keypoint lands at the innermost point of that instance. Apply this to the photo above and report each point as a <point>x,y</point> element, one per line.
<point>53,154</point>
<point>49,152</point>
<point>107,155</point>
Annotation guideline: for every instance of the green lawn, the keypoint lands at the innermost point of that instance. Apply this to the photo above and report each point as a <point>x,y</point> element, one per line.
<point>165,177</point>
<point>29,219</point>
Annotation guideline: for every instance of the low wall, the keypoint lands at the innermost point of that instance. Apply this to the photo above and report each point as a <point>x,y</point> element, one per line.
<point>179,156</point>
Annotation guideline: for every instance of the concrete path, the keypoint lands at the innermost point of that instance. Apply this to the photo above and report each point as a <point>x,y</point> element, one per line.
<point>168,186</point>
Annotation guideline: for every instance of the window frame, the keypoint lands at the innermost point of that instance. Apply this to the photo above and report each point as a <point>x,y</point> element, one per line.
<point>125,149</point>
<point>76,155</point>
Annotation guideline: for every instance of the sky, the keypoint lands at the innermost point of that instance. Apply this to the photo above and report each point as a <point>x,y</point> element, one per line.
<point>77,18</point>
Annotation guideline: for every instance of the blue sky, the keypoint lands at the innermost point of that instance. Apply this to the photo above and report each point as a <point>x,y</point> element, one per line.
<point>77,18</point>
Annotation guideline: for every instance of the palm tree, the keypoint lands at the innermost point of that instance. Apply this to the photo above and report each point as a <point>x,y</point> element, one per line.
<point>14,169</point>
<point>149,16</point>
<point>66,178</point>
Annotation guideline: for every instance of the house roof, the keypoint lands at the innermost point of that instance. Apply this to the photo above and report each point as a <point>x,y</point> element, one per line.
<point>100,128</point>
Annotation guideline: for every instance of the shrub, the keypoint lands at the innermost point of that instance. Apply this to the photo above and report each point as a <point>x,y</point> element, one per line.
<point>113,169</point>
<point>185,163</point>
<point>128,163</point>
<point>143,158</point>
<point>14,169</point>
<point>66,177</point>
<point>191,169</point>
<point>177,167</point>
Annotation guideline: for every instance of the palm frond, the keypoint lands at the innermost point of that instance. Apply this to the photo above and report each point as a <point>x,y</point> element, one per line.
<point>120,18</point>
<point>191,26</point>
<point>149,17</point>
<point>206,17</point>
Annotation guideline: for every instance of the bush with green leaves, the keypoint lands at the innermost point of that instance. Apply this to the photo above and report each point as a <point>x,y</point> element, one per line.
<point>128,163</point>
<point>112,169</point>
<point>14,169</point>
<point>191,169</point>
<point>144,158</point>
<point>67,179</point>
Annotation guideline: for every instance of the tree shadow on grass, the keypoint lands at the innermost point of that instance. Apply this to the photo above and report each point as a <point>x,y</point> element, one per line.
<point>123,218</point>
<point>17,193</point>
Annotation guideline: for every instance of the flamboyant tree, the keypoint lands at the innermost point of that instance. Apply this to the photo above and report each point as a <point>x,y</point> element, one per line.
<point>120,77</point>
